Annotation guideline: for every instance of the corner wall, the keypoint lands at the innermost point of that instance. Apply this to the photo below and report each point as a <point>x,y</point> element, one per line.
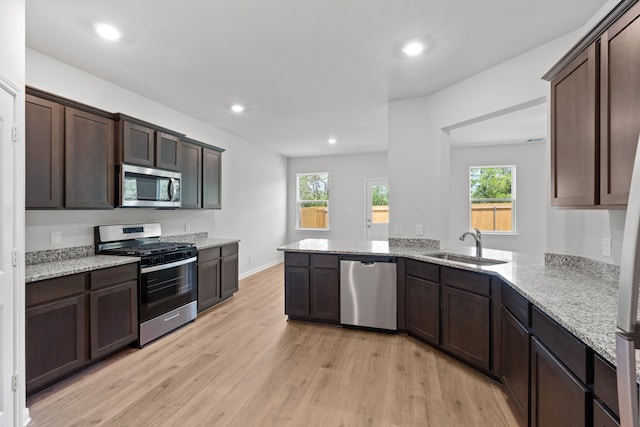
<point>253,178</point>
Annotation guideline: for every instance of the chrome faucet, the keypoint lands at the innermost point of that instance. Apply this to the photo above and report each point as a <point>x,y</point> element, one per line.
<point>477,236</point>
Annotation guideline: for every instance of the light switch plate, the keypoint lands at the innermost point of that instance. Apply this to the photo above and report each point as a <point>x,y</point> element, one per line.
<point>398,228</point>
<point>55,237</point>
<point>418,229</point>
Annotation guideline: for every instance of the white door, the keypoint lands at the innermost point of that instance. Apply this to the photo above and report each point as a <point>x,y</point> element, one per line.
<point>8,241</point>
<point>377,223</point>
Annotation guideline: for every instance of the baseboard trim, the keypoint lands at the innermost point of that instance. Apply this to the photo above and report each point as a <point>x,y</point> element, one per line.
<point>259,269</point>
<point>26,418</point>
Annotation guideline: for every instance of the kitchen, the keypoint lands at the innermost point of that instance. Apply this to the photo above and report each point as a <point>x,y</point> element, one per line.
<point>253,175</point>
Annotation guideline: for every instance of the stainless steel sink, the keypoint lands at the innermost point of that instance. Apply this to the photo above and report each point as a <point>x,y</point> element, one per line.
<point>466,259</point>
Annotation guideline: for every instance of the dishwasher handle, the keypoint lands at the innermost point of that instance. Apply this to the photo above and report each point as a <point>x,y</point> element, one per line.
<point>368,259</point>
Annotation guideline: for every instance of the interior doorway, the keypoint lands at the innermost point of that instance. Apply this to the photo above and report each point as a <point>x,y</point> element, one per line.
<point>377,209</point>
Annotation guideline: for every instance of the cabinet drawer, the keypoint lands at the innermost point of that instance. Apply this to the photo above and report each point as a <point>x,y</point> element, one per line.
<point>516,304</point>
<point>569,349</point>
<point>113,276</point>
<point>228,250</point>
<point>208,254</point>
<point>605,384</point>
<point>422,270</point>
<point>602,417</point>
<point>326,261</point>
<point>53,289</point>
<point>472,282</point>
<point>296,259</point>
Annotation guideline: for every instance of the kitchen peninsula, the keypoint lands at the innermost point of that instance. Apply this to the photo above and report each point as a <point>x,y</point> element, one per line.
<point>552,316</point>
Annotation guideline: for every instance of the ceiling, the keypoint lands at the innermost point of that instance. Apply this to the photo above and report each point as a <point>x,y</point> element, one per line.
<point>307,70</point>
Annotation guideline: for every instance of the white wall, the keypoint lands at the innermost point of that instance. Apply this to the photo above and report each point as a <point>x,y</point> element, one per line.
<point>347,199</point>
<point>253,179</point>
<point>531,194</point>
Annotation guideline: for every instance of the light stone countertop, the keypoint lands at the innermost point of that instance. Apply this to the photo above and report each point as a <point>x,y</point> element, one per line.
<point>49,270</point>
<point>583,303</point>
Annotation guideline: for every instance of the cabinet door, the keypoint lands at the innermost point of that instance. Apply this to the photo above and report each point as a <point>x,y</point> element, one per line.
<point>558,398</point>
<point>211,179</point>
<point>114,318</point>
<point>168,151</point>
<point>191,169</point>
<point>55,340</point>
<point>208,284</point>
<point>325,294</point>
<point>515,365</point>
<point>89,165</point>
<point>423,309</point>
<point>465,326</point>
<point>296,291</point>
<point>229,276</point>
<point>44,132</point>
<point>137,144</point>
<point>574,138</point>
<point>620,106</point>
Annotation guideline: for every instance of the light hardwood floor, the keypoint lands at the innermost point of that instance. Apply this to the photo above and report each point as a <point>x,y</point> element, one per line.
<point>244,364</point>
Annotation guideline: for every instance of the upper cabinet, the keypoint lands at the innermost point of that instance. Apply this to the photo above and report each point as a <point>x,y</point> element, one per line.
<point>594,111</point>
<point>69,154</point>
<point>143,144</point>
<point>72,151</point>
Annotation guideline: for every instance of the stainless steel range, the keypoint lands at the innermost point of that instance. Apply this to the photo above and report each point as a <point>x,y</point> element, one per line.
<point>167,289</point>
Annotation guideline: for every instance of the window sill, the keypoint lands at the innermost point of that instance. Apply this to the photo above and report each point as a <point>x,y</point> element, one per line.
<point>498,233</point>
<point>313,229</point>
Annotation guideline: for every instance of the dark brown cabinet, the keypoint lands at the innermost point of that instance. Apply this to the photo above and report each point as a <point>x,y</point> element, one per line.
<point>113,303</point>
<point>619,106</point>
<point>605,390</point>
<point>211,179</point>
<point>423,308</point>
<point>44,152</point>
<point>209,293</point>
<point>217,275</point>
<point>228,270</point>
<point>191,170</point>
<point>73,321</point>
<point>143,144</point>
<point>558,398</point>
<point>312,287</point>
<point>515,365</point>
<point>89,160</point>
<point>574,138</point>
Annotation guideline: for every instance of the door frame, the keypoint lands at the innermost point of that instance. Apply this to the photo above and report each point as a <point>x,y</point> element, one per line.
<point>366,201</point>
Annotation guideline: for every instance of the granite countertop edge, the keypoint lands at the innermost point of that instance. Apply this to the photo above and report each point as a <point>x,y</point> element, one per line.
<point>53,269</point>
<point>582,303</point>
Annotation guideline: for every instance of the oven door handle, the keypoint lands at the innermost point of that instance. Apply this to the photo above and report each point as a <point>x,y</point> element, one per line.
<point>170,265</point>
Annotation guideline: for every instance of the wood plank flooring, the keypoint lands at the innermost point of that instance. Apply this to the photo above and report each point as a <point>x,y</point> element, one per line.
<point>243,364</point>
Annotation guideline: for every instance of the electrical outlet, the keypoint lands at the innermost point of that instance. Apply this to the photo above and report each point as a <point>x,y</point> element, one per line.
<point>398,228</point>
<point>250,257</point>
<point>55,237</point>
<point>418,229</point>
<point>187,226</point>
<point>606,247</point>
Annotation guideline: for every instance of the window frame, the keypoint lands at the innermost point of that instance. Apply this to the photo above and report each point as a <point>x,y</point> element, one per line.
<point>299,201</point>
<point>513,231</point>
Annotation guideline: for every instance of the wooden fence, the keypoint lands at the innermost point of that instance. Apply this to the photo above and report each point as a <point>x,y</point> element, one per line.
<point>380,214</point>
<point>492,216</point>
<point>317,216</point>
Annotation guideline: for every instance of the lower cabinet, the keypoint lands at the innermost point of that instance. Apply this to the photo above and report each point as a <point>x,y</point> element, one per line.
<point>423,309</point>
<point>312,287</point>
<point>558,398</point>
<point>73,321</point>
<point>466,324</point>
<point>515,365</point>
<point>217,275</point>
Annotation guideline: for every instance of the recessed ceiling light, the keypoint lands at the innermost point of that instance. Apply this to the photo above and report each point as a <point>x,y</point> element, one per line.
<point>237,108</point>
<point>332,141</point>
<point>413,48</point>
<point>107,32</point>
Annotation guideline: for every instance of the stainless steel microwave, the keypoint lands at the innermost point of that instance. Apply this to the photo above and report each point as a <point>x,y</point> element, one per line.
<point>142,187</point>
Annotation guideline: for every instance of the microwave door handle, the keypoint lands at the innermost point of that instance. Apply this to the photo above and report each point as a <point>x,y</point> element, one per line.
<point>170,188</point>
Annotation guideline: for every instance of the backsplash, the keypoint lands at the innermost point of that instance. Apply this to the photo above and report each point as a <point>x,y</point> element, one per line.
<point>51,255</point>
<point>590,266</point>
<point>414,243</point>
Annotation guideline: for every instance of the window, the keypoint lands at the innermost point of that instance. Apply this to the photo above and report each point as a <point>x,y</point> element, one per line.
<point>312,201</point>
<point>492,194</point>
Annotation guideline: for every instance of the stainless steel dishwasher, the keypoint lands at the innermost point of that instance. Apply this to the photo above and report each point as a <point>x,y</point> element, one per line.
<point>368,292</point>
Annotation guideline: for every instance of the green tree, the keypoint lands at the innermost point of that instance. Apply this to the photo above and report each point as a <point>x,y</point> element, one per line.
<point>314,187</point>
<point>490,183</point>
<point>379,195</point>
